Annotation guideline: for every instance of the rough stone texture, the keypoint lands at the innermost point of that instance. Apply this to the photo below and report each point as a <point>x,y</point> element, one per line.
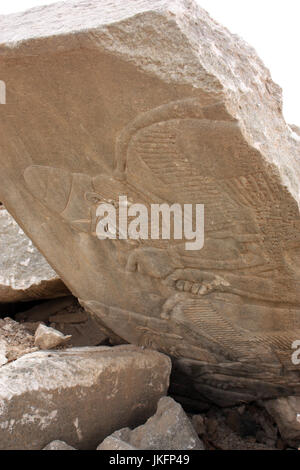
<point>49,338</point>
<point>168,429</point>
<point>80,395</point>
<point>295,129</point>
<point>286,413</point>
<point>68,317</point>
<point>3,351</point>
<point>116,442</point>
<point>58,445</point>
<point>156,101</point>
<point>24,272</point>
<point>198,424</point>
<point>43,311</point>
<point>247,427</point>
<point>15,341</point>
<point>87,333</point>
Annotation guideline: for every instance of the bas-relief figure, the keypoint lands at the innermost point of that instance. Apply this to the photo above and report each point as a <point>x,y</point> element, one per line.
<point>227,314</point>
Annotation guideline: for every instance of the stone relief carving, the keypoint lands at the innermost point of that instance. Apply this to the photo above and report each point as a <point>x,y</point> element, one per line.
<point>229,312</point>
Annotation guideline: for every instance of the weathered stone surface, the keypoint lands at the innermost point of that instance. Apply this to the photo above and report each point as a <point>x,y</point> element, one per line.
<point>24,272</point>
<point>168,429</point>
<point>286,413</point>
<point>49,338</point>
<point>155,101</point>
<point>58,445</point>
<point>80,395</point>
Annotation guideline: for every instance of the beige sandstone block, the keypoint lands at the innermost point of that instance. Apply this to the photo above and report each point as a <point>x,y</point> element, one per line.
<point>79,396</point>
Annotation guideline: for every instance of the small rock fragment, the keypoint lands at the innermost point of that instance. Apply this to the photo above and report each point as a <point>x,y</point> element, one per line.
<point>114,442</point>
<point>49,338</point>
<point>58,445</point>
<point>68,317</point>
<point>285,411</point>
<point>168,429</point>
<point>83,334</point>
<point>199,424</point>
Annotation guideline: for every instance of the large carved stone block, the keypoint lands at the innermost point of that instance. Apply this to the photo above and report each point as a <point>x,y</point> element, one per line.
<point>154,101</point>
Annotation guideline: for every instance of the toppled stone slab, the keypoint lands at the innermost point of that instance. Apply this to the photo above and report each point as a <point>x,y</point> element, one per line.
<point>49,338</point>
<point>24,272</point>
<point>79,395</point>
<point>58,445</point>
<point>159,103</point>
<point>168,429</point>
<point>286,413</point>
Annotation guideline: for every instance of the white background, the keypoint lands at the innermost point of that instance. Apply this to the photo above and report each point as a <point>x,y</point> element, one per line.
<point>271,26</point>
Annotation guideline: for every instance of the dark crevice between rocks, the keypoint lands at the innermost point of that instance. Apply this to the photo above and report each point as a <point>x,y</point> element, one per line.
<point>10,310</point>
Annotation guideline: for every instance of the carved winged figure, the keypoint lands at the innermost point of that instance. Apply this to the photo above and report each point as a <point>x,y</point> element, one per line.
<point>228,313</point>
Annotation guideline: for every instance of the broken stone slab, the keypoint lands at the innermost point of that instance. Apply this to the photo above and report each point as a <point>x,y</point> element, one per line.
<point>183,112</point>
<point>58,445</point>
<point>24,272</point>
<point>286,413</point>
<point>49,338</point>
<point>79,395</point>
<point>168,429</point>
